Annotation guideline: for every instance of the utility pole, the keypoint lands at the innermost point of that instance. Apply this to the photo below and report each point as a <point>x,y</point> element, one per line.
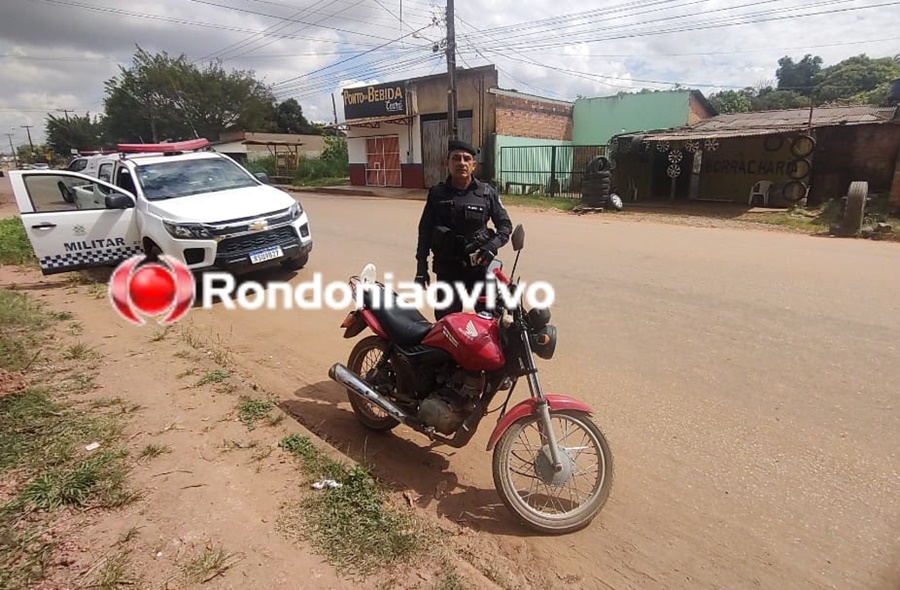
<point>27,128</point>
<point>66,113</point>
<point>452,111</point>
<point>13,150</point>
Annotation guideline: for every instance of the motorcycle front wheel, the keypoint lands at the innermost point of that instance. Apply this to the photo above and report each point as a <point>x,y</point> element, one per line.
<point>555,502</point>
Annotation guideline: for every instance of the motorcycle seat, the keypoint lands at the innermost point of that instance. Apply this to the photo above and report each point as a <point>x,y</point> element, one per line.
<point>404,326</point>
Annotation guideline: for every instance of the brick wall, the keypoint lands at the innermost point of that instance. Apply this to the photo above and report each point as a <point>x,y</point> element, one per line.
<point>857,152</point>
<point>526,117</point>
<point>696,111</point>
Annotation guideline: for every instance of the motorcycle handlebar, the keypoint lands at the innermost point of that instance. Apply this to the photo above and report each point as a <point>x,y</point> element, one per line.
<point>502,277</point>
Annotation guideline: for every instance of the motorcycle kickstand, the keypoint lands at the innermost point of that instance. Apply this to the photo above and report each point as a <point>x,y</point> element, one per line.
<point>543,409</point>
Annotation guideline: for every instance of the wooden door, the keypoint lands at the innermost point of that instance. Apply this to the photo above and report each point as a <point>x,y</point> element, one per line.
<point>383,161</point>
<point>434,147</point>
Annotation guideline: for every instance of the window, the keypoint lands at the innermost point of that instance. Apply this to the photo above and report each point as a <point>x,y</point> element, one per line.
<point>61,193</point>
<point>105,172</point>
<point>78,165</point>
<point>180,178</point>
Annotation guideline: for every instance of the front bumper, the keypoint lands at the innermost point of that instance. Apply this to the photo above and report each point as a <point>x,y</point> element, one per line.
<point>235,254</point>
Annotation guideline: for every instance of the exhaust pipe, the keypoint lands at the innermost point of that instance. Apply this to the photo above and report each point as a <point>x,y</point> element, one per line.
<point>348,378</point>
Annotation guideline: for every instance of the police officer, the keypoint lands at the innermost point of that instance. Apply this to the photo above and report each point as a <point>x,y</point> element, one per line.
<point>454,228</point>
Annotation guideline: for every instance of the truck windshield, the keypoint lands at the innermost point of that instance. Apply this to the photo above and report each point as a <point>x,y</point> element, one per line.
<point>180,178</point>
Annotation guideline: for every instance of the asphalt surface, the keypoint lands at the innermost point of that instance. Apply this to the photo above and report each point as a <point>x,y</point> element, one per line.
<point>747,382</point>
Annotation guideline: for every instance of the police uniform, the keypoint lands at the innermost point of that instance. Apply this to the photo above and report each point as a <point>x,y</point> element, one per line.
<point>453,227</point>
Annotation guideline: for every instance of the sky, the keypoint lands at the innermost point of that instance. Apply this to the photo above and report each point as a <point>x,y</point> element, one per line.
<point>55,55</point>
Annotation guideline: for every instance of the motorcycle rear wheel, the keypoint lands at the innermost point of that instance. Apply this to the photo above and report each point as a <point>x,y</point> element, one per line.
<point>537,468</point>
<point>370,415</point>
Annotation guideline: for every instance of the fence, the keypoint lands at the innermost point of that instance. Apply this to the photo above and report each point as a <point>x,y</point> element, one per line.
<point>555,170</point>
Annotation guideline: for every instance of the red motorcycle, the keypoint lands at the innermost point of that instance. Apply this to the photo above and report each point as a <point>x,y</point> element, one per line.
<point>552,465</point>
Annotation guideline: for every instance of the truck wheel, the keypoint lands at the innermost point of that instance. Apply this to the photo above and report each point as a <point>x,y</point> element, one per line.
<point>856,204</point>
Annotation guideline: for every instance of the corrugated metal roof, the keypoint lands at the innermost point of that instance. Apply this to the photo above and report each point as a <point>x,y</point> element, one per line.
<point>768,122</point>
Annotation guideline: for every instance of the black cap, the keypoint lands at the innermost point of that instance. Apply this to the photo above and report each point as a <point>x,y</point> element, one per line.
<point>456,145</point>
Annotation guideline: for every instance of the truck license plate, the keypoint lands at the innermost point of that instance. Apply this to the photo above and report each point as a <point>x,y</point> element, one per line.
<point>267,254</point>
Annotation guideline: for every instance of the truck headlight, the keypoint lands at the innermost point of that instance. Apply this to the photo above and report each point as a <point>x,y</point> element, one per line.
<point>296,211</point>
<point>186,231</point>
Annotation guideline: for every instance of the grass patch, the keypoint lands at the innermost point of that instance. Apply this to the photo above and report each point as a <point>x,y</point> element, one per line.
<point>541,201</point>
<point>115,573</point>
<point>251,411</point>
<point>354,525</point>
<point>216,376</point>
<point>152,451</point>
<point>320,182</point>
<point>44,462</point>
<point>213,562</point>
<point>78,352</point>
<point>21,322</point>
<point>15,249</point>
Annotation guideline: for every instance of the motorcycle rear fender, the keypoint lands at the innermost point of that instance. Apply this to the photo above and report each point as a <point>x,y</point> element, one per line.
<point>526,407</point>
<point>358,320</point>
<point>373,323</point>
<point>353,324</point>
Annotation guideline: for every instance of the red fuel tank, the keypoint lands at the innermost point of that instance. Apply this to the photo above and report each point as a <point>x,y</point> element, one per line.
<point>472,341</point>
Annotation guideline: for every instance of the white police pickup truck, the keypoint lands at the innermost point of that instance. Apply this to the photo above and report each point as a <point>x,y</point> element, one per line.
<point>179,199</point>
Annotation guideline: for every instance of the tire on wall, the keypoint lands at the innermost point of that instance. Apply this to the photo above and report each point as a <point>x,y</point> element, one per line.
<point>803,146</point>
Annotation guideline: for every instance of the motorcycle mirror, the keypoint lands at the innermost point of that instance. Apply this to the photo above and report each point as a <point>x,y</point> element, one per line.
<point>518,238</point>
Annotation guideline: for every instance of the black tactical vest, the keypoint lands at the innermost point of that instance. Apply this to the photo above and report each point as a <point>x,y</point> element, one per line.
<point>461,218</point>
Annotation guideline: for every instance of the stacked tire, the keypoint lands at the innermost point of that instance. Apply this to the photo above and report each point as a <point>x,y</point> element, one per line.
<point>595,186</point>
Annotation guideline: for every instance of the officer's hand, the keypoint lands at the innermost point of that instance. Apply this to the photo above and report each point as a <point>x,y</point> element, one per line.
<point>485,256</point>
<point>423,279</point>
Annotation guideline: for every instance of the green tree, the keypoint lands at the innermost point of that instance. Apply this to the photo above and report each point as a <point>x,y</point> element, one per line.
<point>733,101</point>
<point>798,77</point>
<point>289,118</point>
<point>856,80</point>
<point>75,132</point>
<point>161,97</point>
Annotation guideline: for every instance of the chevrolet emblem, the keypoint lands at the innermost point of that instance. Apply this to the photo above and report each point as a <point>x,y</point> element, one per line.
<point>259,225</point>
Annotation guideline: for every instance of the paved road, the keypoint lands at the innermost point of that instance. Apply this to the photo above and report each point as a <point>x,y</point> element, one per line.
<point>748,383</point>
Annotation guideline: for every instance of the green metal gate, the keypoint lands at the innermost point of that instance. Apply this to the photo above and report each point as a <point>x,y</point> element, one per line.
<point>555,170</point>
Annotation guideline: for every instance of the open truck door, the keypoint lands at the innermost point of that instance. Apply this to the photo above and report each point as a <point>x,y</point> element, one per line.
<point>74,221</point>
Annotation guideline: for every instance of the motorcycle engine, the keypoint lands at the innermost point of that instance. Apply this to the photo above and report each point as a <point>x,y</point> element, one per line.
<point>448,407</point>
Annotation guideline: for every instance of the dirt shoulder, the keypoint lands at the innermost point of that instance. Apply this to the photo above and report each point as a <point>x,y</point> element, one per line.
<point>198,478</point>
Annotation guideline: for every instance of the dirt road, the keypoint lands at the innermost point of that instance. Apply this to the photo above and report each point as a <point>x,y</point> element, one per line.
<point>747,382</point>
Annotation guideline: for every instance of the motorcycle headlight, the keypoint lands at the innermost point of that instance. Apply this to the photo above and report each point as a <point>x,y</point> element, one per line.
<point>537,318</point>
<point>296,211</point>
<point>543,342</point>
<point>186,231</point>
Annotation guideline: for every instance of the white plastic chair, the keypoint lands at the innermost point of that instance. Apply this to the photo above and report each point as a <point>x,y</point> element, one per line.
<point>760,189</point>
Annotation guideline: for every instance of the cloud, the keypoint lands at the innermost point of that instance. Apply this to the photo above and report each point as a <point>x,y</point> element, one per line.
<point>56,54</point>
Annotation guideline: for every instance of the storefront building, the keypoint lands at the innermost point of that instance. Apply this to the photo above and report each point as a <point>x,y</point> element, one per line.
<point>397,131</point>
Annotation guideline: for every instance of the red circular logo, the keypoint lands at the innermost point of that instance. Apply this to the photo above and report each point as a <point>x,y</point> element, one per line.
<point>152,288</point>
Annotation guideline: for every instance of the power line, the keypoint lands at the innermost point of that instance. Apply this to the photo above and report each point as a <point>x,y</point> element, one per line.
<point>296,30</point>
<point>328,82</point>
<point>293,20</point>
<point>804,48</point>
<point>353,57</point>
<point>180,21</point>
<point>329,85</point>
<point>694,27</point>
